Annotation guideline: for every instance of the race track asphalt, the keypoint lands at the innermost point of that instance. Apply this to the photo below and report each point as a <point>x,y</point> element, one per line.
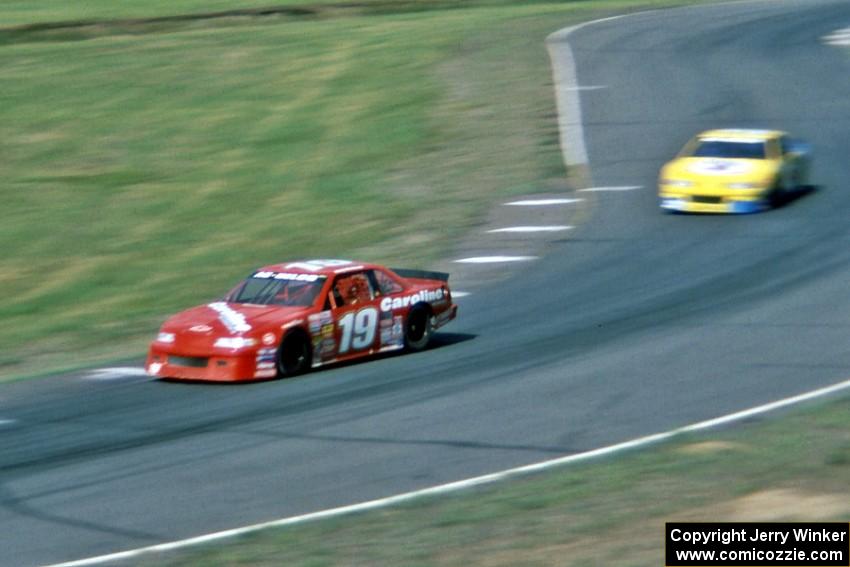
<point>635,323</point>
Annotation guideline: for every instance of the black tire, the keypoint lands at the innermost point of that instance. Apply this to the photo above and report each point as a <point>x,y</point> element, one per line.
<point>295,355</point>
<point>417,329</point>
<point>777,195</point>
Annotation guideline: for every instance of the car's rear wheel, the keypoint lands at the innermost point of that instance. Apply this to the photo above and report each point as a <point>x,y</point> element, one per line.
<point>295,355</point>
<point>417,330</point>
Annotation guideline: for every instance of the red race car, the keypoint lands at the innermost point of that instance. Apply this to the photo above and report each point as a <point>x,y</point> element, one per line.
<point>287,318</point>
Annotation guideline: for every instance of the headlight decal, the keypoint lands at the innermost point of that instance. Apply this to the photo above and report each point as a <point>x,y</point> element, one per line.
<point>743,185</point>
<point>677,182</point>
<point>166,338</point>
<point>235,342</point>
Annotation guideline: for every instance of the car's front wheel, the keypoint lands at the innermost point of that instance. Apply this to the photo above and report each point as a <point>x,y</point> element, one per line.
<point>777,194</point>
<point>294,356</point>
<point>417,331</point>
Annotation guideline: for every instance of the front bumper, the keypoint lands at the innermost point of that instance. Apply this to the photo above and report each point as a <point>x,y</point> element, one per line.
<point>712,203</point>
<point>251,365</point>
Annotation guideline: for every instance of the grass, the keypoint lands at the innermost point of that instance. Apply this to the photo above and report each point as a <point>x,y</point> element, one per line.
<point>143,174</point>
<point>148,167</point>
<point>605,512</point>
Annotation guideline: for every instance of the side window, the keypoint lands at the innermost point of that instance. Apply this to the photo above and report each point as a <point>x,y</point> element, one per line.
<point>773,149</point>
<point>385,284</point>
<point>352,289</point>
<point>785,145</point>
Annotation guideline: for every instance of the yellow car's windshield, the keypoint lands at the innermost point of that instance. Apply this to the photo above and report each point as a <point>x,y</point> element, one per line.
<point>731,149</point>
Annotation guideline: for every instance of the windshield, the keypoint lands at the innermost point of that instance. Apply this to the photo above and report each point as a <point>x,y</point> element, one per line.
<point>729,149</point>
<point>273,288</point>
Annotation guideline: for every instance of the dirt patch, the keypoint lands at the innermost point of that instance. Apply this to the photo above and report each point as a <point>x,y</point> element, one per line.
<point>788,504</point>
<point>79,30</point>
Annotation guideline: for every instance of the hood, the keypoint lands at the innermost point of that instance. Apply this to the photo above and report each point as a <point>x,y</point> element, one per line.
<point>727,170</point>
<point>221,319</point>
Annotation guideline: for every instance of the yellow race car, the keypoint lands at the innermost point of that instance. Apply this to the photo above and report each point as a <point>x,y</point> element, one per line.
<point>733,171</point>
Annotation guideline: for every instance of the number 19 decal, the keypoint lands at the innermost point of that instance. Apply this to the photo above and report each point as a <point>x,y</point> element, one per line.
<point>358,330</point>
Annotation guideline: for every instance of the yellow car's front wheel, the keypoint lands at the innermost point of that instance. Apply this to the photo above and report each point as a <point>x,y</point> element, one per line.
<point>778,194</point>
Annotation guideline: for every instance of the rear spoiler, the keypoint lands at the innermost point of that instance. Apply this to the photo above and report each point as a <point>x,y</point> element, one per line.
<point>421,274</point>
<point>799,147</point>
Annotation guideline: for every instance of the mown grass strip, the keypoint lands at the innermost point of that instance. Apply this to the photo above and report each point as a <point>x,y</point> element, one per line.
<point>59,13</point>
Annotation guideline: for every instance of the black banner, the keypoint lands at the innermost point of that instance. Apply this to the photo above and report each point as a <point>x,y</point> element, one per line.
<point>759,544</point>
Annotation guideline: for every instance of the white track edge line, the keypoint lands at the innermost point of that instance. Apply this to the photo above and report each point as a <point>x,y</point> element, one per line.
<point>494,259</point>
<point>529,229</point>
<point>114,373</point>
<point>611,188</point>
<point>564,77</point>
<point>463,484</point>
<point>587,88</point>
<point>543,202</point>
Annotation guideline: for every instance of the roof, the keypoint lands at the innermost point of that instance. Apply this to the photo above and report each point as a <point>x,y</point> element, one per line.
<point>317,266</point>
<point>742,134</point>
